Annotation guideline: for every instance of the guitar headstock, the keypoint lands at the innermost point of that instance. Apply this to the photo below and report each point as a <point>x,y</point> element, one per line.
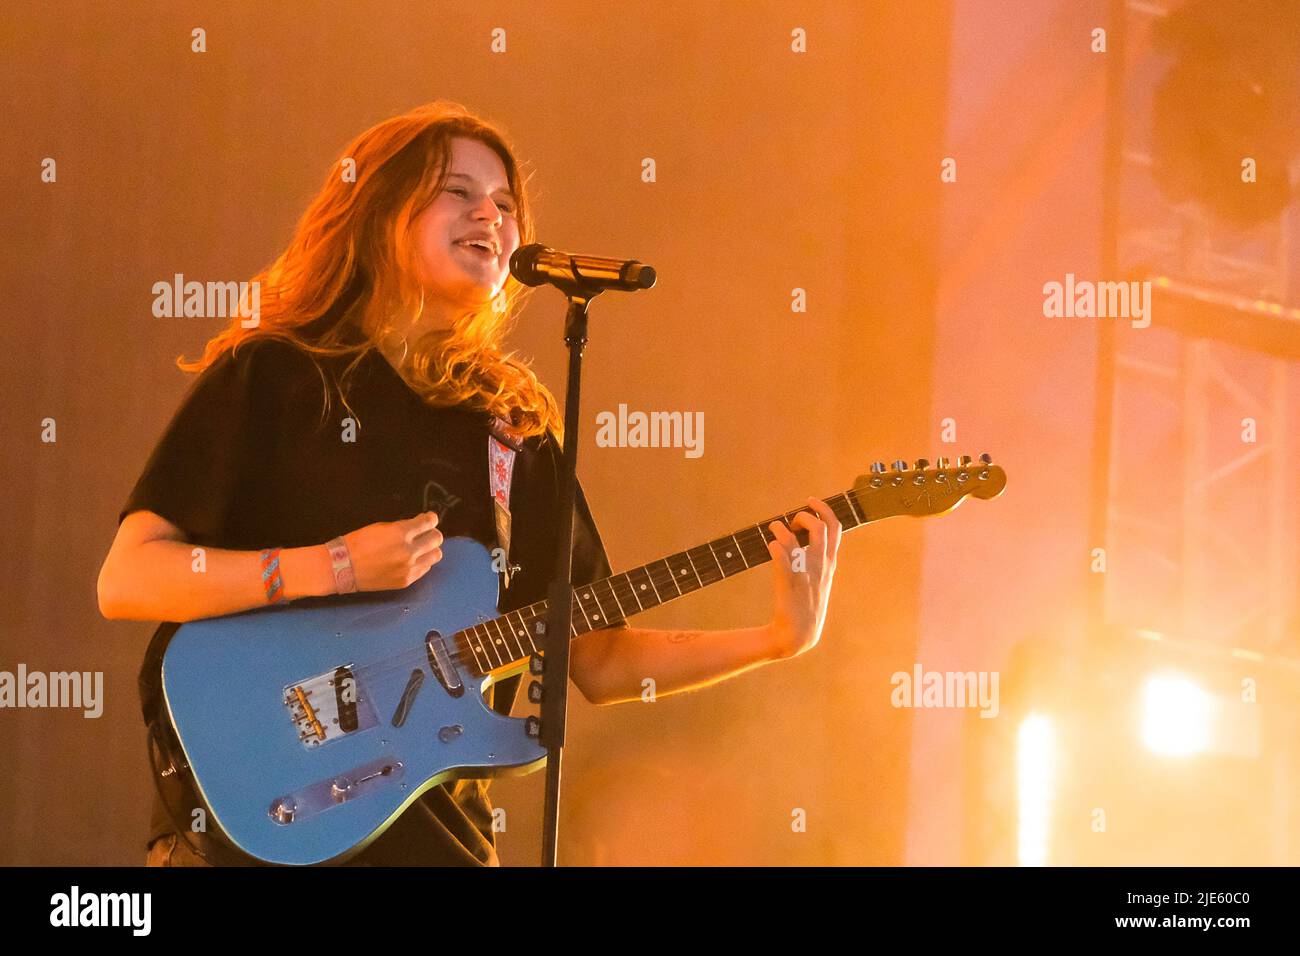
<point>922,489</point>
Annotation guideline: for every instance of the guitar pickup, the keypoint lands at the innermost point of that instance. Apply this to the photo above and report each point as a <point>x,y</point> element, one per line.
<point>345,699</point>
<point>328,706</point>
<point>443,667</point>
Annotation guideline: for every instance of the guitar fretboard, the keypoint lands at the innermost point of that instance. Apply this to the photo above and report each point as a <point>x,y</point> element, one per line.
<point>513,637</point>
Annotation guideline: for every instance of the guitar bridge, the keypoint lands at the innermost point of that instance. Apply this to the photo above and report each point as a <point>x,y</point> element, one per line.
<point>328,706</point>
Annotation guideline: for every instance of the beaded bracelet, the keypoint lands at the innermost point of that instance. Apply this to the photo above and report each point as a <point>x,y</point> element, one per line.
<point>271,576</point>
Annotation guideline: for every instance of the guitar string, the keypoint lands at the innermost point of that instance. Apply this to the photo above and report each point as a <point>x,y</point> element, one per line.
<point>494,644</point>
<point>660,577</point>
<point>659,573</point>
<point>846,505</point>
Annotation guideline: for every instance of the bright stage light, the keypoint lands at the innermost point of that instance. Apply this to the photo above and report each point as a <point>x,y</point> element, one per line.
<point>1177,717</point>
<point>1035,769</point>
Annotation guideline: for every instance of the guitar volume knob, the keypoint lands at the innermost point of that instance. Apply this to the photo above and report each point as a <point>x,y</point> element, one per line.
<point>341,789</point>
<point>283,810</point>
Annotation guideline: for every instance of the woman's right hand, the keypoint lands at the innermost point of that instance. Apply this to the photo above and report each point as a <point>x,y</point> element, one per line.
<point>388,555</point>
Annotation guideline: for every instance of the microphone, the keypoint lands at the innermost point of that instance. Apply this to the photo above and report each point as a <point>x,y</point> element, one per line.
<point>535,264</point>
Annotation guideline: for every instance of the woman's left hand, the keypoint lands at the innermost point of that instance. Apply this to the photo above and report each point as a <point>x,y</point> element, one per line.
<point>801,578</point>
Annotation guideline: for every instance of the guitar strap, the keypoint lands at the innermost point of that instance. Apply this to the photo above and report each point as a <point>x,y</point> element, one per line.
<point>503,443</point>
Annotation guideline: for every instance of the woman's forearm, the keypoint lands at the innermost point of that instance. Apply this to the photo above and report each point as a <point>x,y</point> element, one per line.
<point>165,580</point>
<point>616,665</point>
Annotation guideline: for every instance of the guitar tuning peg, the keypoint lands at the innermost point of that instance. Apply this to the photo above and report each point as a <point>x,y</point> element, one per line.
<point>963,461</point>
<point>877,467</point>
<point>941,463</point>
<point>922,464</point>
<point>986,458</point>
<point>900,465</point>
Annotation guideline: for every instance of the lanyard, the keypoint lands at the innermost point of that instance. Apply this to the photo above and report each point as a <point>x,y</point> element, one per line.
<point>503,443</point>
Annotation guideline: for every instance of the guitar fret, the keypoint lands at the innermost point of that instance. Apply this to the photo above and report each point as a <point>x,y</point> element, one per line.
<point>618,601</point>
<point>498,640</point>
<point>482,632</point>
<point>717,562</point>
<point>492,644</point>
<point>584,624</point>
<point>681,570</point>
<point>521,631</point>
<point>654,584</point>
<point>599,615</point>
<point>653,597</point>
<point>479,661</point>
<point>841,504</point>
<point>852,498</point>
<point>586,619</point>
<point>729,556</point>
<point>508,633</point>
<point>753,541</point>
<point>627,580</point>
<point>651,579</point>
<point>533,634</point>
<point>740,551</point>
<point>480,655</point>
<point>490,649</point>
<point>611,584</point>
<point>515,632</point>
<point>605,614</point>
<point>699,581</point>
<point>638,587</point>
<point>671,577</point>
<point>588,600</point>
<point>721,573</point>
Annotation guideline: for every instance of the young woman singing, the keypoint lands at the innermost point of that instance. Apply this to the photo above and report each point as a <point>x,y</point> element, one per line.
<point>332,445</point>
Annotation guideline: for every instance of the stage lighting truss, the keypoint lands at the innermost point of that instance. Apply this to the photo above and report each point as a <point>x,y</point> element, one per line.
<point>1201,514</point>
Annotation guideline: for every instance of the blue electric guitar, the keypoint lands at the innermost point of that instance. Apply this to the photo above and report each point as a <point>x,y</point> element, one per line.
<point>310,727</point>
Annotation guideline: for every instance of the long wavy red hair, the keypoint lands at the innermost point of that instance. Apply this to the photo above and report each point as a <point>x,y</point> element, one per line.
<point>350,268</point>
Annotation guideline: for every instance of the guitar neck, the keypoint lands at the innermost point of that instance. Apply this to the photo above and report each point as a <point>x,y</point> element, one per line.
<point>510,638</point>
<point>920,491</point>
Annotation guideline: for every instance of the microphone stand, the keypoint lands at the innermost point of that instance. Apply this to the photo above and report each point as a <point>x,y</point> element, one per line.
<point>555,698</point>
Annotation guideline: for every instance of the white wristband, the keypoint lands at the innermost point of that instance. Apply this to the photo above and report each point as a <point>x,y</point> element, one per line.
<point>345,580</point>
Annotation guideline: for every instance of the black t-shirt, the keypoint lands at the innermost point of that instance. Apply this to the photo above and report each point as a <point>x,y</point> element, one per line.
<point>246,463</point>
